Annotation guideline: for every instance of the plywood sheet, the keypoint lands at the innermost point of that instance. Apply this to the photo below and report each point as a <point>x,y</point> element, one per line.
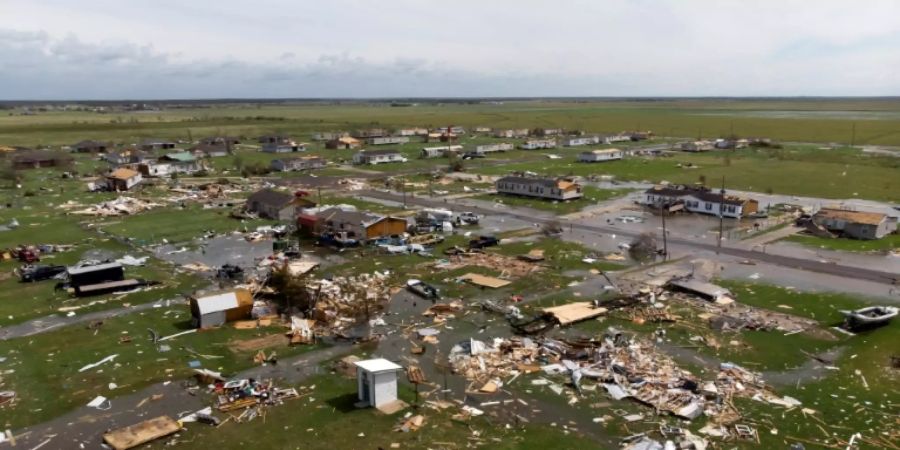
<point>482,280</point>
<point>141,433</point>
<point>574,312</point>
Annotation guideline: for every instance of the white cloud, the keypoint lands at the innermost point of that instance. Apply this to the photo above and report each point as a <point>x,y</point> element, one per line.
<point>339,48</point>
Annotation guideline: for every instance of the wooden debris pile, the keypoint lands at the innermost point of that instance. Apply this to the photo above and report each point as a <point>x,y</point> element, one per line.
<point>342,302</point>
<point>622,367</point>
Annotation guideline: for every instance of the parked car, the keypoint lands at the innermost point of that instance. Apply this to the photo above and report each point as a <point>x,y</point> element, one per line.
<point>484,242</point>
<point>469,218</point>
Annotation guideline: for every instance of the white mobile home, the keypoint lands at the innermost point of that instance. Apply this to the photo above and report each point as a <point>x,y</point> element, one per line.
<point>491,148</point>
<point>537,144</point>
<point>387,140</point>
<point>437,152</point>
<point>548,188</point>
<point>601,155</point>
<point>699,200</point>
<point>581,140</point>
<point>378,157</point>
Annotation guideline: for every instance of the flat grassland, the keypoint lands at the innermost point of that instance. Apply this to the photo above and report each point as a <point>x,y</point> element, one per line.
<point>876,121</point>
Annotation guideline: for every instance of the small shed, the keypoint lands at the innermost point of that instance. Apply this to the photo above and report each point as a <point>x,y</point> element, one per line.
<point>377,381</point>
<point>217,309</point>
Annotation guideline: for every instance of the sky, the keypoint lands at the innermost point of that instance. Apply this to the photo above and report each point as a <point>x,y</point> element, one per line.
<point>168,49</point>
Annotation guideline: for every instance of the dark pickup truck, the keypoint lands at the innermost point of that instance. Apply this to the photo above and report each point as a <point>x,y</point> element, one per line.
<point>484,242</point>
<point>32,273</point>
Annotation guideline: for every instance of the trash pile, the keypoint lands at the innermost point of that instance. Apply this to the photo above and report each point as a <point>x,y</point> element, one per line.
<point>118,207</point>
<point>342,302</point>
<point>249,396</point>
<point>622,367</point>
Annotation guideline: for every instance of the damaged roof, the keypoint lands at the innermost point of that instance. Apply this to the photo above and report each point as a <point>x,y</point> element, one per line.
<point>270,197</point>
<point>866,218</point>
<point>700,194</point>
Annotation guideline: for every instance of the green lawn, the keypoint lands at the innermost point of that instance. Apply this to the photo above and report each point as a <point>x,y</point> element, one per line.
<point>887,243</point>
<point>48,383</point>
<point>327,419</point>
<point>176,225</point>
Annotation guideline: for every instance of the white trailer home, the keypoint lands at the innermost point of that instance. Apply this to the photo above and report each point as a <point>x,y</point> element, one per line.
<point>601,155</point>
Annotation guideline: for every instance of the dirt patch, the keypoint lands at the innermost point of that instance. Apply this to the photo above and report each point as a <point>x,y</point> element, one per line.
<point>261,343</point>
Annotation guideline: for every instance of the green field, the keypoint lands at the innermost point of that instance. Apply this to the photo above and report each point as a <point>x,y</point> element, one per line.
<point>796,170</point>
<point>877,121</point>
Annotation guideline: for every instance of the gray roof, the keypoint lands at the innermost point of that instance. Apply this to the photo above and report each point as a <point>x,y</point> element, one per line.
<point>342,216</point>
<point>546,182</point>
<point>702,194</point>
<point>270,197</point>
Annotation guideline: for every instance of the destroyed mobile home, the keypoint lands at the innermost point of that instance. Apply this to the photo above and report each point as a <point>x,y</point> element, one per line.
<point>625,368</point>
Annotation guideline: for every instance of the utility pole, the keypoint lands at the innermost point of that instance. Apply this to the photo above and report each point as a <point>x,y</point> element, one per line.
<point>319,196</point>
<point>662,213</point>
<point>403,190</point>
<point>721,215</point>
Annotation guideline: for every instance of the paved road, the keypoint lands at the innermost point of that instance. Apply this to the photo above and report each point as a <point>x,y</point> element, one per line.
<point>54,321</point>
<point>540,217</point>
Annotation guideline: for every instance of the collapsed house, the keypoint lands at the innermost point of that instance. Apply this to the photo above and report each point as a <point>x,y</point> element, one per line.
<point>272,204</point>
<point>700,200</point>
<point>217,309</point>
<point>36,159</point>
<point>625,368</point>
<point>342,302</point>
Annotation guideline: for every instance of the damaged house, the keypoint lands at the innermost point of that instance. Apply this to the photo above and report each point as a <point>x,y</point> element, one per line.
<point>546,188</point>
<point>855,224</point>
<point>343,143</point>
<point>151,145</point>
<point>180,163</point>
<point>203,150</point>
<point>36,159</point>
<point>698,200</point>
<point>127,156</point>
<point>91,147</point>
<point>123,179</point>
<point>280,144</point>
<point>272,204</point>
<point>354,224</point>
<point>218,309</point>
